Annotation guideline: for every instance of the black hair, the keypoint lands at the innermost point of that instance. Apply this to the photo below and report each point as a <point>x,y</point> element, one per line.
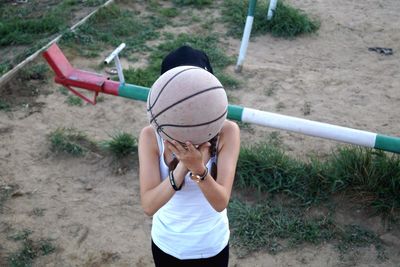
<point>186,56</point>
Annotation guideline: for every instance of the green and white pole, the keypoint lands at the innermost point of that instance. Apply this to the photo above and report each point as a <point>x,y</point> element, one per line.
<point>313,128</point>
<point>288,123</point>
<point>271,9</point>
<point>246,35</point>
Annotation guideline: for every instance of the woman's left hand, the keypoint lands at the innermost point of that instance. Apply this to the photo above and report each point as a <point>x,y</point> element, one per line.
<point>193,158</point>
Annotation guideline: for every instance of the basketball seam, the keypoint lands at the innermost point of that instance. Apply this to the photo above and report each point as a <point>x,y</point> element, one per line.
<point>184,99</point>
<point>192,125</point>
<point>165,85</point>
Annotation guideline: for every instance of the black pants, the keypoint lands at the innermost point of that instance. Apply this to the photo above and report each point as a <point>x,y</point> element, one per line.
<point>163,259</point>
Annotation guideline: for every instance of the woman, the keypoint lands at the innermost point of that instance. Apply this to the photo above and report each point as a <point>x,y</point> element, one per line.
<point>186,188</point>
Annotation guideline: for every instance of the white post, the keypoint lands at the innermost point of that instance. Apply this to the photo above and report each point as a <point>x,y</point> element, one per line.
<point>271,9</point>
<point>114,55</point>
<point>246,35</point>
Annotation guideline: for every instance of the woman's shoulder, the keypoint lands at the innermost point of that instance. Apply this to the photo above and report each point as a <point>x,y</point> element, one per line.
<point>229,134</point>
<point>229,127</point>
<point>148,136</point>
<point>148,131</point>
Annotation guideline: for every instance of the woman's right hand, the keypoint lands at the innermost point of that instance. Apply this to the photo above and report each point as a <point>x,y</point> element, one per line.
<point>193,158</point>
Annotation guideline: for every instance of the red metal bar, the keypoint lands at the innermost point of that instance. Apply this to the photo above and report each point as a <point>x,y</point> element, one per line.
<point>71,77</point>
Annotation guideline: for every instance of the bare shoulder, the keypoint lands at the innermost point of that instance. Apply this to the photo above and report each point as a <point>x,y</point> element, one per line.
<point>230,126</point>
<point>148,131</point>
<point>148,139</point>
<point>230,133</point>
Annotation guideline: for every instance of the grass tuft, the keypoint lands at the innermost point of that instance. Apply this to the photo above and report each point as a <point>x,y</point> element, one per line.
<point>4,106</point>
<point>30,249</point>
<point>111,26</point>
<point>276,226</point>
<point>287,22</point>
<point>70,141</point>
<point>370,176</point>
<point>121,144</point>
<point>208,43</point>
<point>73,100</point>
<point>197,3</point>
<point>34,72</point>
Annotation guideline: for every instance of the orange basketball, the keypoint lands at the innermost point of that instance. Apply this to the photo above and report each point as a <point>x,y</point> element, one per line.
<point>187,103</point>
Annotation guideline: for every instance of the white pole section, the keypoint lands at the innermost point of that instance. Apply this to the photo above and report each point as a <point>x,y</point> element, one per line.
<point>307,127</point>
<point>114,55</point>
<point>246,35</point>
<point>271,9</point>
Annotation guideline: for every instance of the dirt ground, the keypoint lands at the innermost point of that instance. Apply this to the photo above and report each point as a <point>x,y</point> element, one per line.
<point>92,213</point>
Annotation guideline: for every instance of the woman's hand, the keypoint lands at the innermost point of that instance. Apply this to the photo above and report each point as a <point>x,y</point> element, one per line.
<point>193,158</point>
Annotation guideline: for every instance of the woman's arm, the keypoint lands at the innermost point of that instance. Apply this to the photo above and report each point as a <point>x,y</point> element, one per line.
<point>154,192</point>
<point>217,191</point>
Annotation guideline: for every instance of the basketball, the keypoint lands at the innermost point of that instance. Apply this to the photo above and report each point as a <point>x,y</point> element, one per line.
<point>187,103</point>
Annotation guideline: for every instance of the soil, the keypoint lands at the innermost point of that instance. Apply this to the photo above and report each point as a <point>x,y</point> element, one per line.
<point>90,207</point>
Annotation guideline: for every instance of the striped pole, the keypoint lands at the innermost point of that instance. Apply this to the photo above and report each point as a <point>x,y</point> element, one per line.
<point>288,123</point>
<point>313,128</point>
<point>71,77</point>
<point>271,9</point>
<point>246,35</point>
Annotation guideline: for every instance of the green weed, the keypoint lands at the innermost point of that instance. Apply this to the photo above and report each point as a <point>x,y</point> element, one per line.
<point>121,144</point>
<point>276,226</point>
<point>5,67</point>
<point>371,176</point>
<point>73,100</point>
<point>111,26</point>
<point>34,72</point>
<point>63,90</point>
<point>208,44</point>
<point>70,141</point>
<point>287,22</point>
<point>4,106</point>
<point>354,236</point>
<point>197,3</point>
<point>30,249</point>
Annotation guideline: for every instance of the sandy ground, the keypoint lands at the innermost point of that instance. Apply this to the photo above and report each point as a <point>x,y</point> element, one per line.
<point>93,214</point>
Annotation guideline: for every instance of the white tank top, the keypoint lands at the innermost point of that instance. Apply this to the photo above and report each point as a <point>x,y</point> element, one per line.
<point>187,226</point>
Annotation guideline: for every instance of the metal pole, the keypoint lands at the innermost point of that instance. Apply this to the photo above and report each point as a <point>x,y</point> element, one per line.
<point>271,9</point>
<point>246,35</point>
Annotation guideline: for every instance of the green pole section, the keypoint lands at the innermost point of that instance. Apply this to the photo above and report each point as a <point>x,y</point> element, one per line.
<point>252,8</point>
<point>235,112</point>
<point>133,92</point>
<point>137,92</point>
<point>383,142</point>
<point>387,143</point>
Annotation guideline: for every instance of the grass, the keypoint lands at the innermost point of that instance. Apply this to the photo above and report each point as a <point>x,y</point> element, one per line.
<point>27,27</point>
<point>73,100</point>
<point>121,144</point>
<point>30,249</point>
<point>277,226</point>
<point>370,176</point>
<point>287,22</point>
<point>34,72</point>
<point>196,3</point>
<point>111,26</point>
<point>70,141</point>
<point>108,28</point>
<point>4,105</point>
<point>207,43</point>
